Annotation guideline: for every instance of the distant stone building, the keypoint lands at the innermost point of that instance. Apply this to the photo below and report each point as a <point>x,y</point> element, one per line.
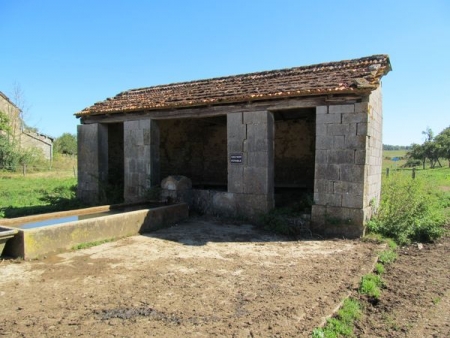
<point>248,142</point>
<point>25,138</point>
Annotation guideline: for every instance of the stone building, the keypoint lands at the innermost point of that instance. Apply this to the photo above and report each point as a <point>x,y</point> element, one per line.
<point>26,139</point>
<point>247,142</point>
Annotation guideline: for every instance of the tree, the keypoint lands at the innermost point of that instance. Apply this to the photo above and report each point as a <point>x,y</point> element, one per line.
<point>5,125</point>
<point>417,152</point>
<point>428,134</point>
<point>66,144</point>
<point>443,141</point>
<point>432,151</point>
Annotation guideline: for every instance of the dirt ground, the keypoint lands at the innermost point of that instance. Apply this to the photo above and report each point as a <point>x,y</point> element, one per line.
<point>416,299</point>
<point>200,278</point>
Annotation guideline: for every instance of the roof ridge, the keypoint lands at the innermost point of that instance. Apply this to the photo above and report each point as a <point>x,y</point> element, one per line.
<point>344,64</point>
<point>353,76</point>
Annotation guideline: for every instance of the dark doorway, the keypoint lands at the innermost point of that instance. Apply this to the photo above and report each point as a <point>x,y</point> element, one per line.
<point>294,160</point>
<point>115,184</point>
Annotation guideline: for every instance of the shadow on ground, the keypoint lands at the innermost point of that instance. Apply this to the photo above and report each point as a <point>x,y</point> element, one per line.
<point>198,231</point>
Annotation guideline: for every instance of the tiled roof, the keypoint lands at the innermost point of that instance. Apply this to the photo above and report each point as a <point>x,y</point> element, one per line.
<point>356,76</point>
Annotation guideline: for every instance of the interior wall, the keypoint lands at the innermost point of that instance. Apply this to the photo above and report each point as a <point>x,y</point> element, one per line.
<point>195,148</point>
<point>294,155</point>
<point>116,157</point>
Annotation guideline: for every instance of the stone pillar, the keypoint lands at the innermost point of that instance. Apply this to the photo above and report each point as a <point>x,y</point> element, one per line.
<point>251,161</point>
<point>92,161</point>
<point>374,152</point>
<point>341,173</point>
<point>141,157</point>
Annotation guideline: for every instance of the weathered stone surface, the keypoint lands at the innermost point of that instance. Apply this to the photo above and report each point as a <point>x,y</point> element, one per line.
<point>236,178</point>
<point>355,142</point>
<point>258,159</point>
<point>361,107</point>
<point>354,118</point>
<point>362,129</point>
<point>253,205</point>
<point>337,221</point>
<point>328,118</point>
<point>341,157</point>
<point>255,117</point>
<point>342,108</point>
<point>334,200</point>
<point>321,156</point>
<point>352,200</point>
<point>327,171</point>
<point>324,186</point>
<point>253,144</point>
<point>141,158</point>
<point>176,183</point>
<point>256,180</point>
<point>224,204</point>
<point>324,142</point>
<point>322,129</point>
<point>322,110</point>
<point>352,173</point>
<point>341,187</point>
<point>338,129</point>
<point>338,142</point>
<point>92,161</point>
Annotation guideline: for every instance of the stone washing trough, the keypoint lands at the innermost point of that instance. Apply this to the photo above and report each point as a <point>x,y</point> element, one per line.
<point>34,236</point>
<point>5,235</point>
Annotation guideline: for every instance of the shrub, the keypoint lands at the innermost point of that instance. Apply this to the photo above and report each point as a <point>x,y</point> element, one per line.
<point>410,210</point>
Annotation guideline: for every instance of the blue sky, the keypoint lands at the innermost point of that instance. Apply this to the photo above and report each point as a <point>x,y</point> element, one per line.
<point>67,55</point>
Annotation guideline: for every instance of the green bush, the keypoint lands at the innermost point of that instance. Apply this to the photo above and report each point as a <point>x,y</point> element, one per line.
<point>410,210</point>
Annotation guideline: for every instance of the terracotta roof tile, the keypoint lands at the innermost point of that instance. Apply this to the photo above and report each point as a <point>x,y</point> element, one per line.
<point>350,76</point>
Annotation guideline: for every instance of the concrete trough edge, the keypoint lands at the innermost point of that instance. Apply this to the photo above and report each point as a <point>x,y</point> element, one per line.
<point>36,242</point>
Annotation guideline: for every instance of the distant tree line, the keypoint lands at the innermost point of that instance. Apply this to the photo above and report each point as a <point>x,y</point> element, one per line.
<point>392,147</point>
<point>431,150</point>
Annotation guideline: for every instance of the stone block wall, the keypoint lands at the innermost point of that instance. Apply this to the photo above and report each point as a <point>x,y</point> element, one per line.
<point>141,158</point>
<point>38,142</point>
<point>92,161</point>
<point>348,166</point>
<point>251,138</point>
<point>374,156</point>
<point>195,148</point>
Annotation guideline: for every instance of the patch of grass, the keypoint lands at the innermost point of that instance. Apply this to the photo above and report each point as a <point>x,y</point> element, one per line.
<point>379,269</point>
<point>391,243</point>
<point>371,286</point>
<point>340,325</point>
<point>34,194</point>
<point>387,257</point>
<point>91,244</point>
